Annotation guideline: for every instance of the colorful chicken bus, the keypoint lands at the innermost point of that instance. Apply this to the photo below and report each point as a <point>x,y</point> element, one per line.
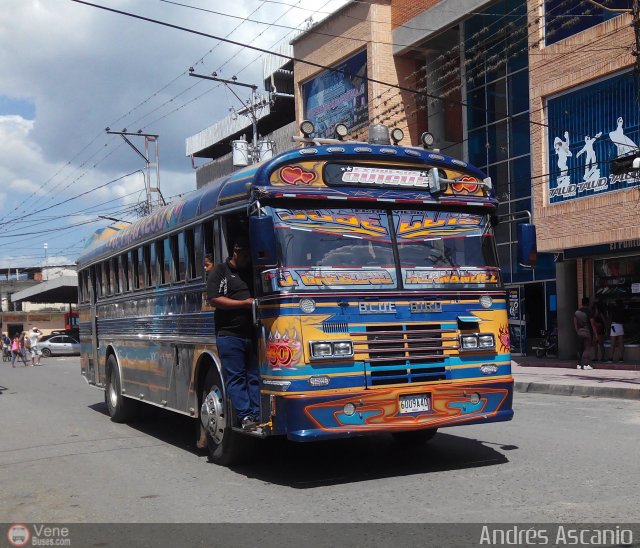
<point>379,304</point>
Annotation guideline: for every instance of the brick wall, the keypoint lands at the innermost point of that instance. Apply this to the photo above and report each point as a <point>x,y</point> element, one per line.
<point>403,11</point>
<point>594,220</point>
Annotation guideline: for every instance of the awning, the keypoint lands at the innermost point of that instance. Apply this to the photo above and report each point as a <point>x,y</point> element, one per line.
<point>63,289</point>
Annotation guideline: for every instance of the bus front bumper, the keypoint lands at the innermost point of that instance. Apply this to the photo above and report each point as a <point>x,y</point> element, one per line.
<point>309,418</point>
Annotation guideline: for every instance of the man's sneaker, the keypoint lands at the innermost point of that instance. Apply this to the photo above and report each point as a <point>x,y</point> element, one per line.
<point>249,424</point>
<point>587,367</point>
<point>578,366</point>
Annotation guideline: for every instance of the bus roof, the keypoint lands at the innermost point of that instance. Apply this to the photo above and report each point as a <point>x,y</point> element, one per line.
<point>257,181</point>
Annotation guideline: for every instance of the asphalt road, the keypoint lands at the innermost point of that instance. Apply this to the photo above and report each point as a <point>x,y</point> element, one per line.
<point>562,458</point>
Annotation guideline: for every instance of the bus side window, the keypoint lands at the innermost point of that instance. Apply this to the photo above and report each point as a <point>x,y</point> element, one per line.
<point>166,264</point>
<point>115,272</point>
<point>141,269</point>
<point>180,256</point>
<point>157,262</point>
<point>93,287</point>
<point>198,257</point>
<point>150,265</point>
<point>124,273</point>
<point>99,289</point>
<point>132,259</point>
<point>190,254</point>
<point>106,278</point>
<point>209,239</point>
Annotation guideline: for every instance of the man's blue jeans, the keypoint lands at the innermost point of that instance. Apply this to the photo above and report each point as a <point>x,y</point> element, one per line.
<point>240,364</point>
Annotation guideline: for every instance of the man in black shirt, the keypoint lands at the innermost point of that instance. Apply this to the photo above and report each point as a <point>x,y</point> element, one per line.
<point>229,290</point>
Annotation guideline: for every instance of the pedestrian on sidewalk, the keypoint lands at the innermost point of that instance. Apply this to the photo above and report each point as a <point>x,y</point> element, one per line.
<point>36,354</point>
<point>17,350</point>
<point>618,318</point>
<point>583,323</point>
<point>600,321</point>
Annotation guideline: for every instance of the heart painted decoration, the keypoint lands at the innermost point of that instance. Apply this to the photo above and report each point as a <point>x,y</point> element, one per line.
<point>296,175</point>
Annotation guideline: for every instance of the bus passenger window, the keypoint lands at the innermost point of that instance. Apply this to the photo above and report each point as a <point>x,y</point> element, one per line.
<point>157,265</point>
<point>198,264</point>
<point>180,251</point>
<point>99,286</point>
<point>190,254</point>
<point>150,265</point>
<point>133,269</point>
<point>209,242</point>
<point>142,271</point>
<point>106,278</point>
<point>115,275</point>
<point>124,273</point>
<point>167,260</point>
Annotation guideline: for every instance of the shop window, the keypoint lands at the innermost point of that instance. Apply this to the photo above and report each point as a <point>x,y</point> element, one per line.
<point>618,279</point>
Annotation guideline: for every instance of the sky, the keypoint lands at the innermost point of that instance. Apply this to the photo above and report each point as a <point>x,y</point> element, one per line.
<point>68,71</point>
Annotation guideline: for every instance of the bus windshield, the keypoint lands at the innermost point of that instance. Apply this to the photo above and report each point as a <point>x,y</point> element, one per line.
<point>367,249</point>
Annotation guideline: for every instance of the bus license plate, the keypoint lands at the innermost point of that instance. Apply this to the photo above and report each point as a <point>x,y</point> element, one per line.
<point>414,403</point>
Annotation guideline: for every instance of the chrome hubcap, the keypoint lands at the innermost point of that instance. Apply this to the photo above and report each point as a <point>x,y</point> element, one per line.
<point>212,414</point>
<point>113,397</point>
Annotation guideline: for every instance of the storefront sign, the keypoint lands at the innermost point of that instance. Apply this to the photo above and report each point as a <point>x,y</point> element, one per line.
<point>588,128</point>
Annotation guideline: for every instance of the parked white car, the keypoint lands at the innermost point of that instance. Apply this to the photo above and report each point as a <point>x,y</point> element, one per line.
<point>57,345</point>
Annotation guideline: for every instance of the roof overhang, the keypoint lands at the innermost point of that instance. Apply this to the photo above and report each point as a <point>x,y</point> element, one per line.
<point>431,22</point>
<point>59,290</point>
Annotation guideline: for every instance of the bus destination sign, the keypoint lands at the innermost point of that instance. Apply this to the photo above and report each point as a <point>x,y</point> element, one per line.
<point>373,176</point>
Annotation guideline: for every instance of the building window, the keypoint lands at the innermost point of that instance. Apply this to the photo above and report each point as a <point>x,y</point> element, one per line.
<point>563,19</point>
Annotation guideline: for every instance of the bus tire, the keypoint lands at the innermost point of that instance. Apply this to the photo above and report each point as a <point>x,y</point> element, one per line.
<point>226,447</point>
<point>120,408</point>
<point>414,438</point>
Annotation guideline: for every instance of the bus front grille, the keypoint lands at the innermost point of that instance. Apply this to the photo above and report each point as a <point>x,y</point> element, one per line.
<point>405,354</point>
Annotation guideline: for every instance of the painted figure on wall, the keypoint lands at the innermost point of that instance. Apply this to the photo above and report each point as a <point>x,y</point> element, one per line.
<point>562,151</point>
<point>591,171</point>
<point>623,144</point>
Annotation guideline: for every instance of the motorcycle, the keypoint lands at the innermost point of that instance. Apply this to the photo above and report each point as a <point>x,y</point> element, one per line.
<point>548,345</point>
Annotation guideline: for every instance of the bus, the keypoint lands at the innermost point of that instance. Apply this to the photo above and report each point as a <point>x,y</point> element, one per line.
<point>379,305</point>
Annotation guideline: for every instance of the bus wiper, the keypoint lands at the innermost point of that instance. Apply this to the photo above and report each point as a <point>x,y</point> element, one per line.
<point>442,258</point>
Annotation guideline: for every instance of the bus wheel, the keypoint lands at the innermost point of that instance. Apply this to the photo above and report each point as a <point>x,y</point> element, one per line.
<point>226,447</point>
<point>120,408</point>
<point>414,437</point>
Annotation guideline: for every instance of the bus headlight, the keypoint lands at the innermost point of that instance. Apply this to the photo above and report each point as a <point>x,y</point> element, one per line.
<point>486,341</point>
<point>480,341</point>
<point>469,342</point>
<point>331,349</point>
<point>321,350</point>
<point>343,348</point>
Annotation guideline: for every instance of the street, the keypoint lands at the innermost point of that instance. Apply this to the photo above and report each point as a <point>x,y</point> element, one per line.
<point>62,460</point>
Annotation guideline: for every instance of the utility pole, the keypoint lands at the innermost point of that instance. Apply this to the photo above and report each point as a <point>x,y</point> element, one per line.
<point>249,109</point>
<point>154,196</point>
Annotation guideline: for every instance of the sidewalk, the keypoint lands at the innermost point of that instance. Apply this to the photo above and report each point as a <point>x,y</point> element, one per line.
<point>555,376</point>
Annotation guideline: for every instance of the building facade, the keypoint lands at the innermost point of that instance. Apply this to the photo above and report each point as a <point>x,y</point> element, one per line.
<point>500,84</point>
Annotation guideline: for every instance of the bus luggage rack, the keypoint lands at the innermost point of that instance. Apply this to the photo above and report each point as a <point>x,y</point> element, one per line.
<point>405,354</point>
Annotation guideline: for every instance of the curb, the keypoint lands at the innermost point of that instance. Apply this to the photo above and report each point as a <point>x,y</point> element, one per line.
<point>577,390</point>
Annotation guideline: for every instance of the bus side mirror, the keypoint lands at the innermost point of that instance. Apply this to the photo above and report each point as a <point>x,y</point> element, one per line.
<point>263,241</point>
<point>527,245</point>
